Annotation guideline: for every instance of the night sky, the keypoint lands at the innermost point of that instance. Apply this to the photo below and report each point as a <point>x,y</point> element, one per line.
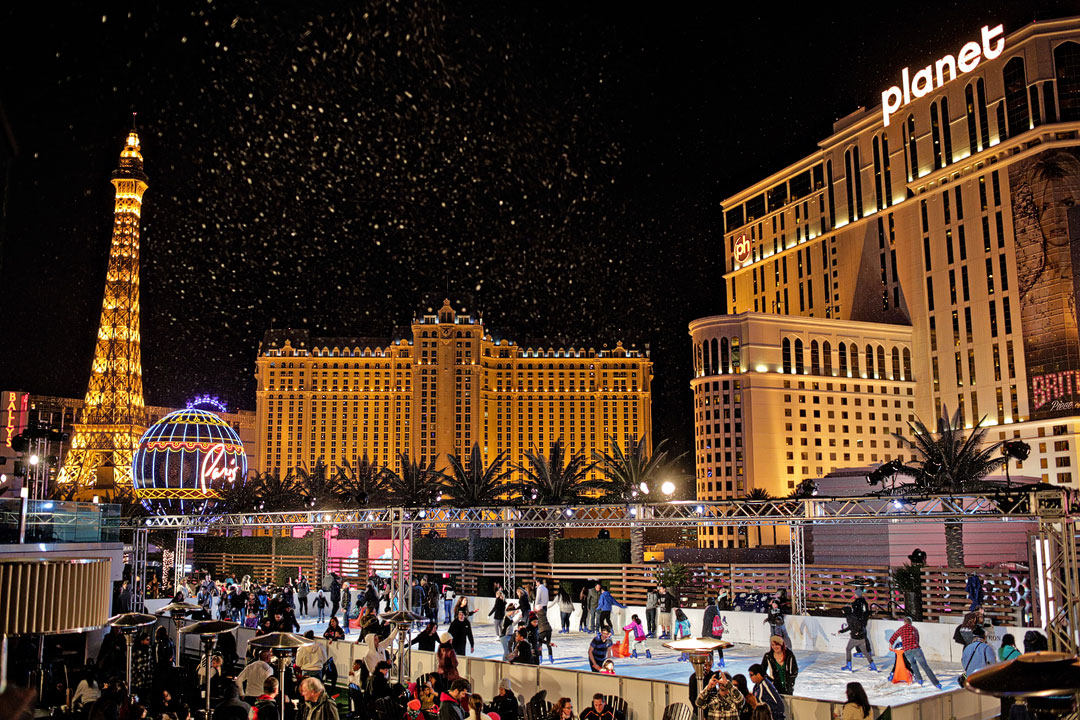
<point>336,166</point>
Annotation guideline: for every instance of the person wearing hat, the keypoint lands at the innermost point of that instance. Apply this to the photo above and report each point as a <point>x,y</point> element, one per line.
<point>861,610</point>
<point>978,653</point>
<point>780,663</point>
<point>505,703</point>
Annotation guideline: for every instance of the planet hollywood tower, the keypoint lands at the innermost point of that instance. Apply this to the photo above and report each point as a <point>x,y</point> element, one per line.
<point>113,416</point>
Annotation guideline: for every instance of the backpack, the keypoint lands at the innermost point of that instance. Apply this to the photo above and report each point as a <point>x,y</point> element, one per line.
<point>257,710</point>
<point>330,673</point>
<point>717,628</point>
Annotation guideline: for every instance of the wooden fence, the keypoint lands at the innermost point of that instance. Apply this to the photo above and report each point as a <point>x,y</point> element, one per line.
<point>828,587</point>
<point>262,568</point>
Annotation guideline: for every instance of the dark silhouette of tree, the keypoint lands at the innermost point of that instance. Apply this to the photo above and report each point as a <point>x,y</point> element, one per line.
<point>556,479</point>
<point>474,484</point>
<point>632,475</point>
<point>951,460</point>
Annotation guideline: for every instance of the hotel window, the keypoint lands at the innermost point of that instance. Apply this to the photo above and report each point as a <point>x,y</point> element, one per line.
<point>786,355</point>
<point>946,131</point>
<point>973,131</point>
<point>869,361</point>
<point>935,134</point>
<point>990,276</point>
<point>907,365</point>
<point>815,358</point>
<point>1008,315</point>
<point>799,367</point>
<point>877,173</point>
<point>993,319</point>
<point>984,122</point>
<point>912,149</point>
<point>843,360</point>
<point>1036,116</point>
<point>895,363</point>
<point>880,362</point>
<point>1048,101</point>
<point>964,283</point>
<point>1004,273</point>
<point>1018,114</point>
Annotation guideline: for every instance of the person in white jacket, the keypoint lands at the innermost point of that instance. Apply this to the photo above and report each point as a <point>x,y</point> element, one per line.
<point>541,603</point>
<point>311,658</point>
<point>376,650</point>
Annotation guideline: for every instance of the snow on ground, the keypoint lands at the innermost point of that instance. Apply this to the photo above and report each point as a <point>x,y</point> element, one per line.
<point>820,676</point>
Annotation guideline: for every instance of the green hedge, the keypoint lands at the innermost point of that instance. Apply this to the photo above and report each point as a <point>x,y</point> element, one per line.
<point>487,549</point>
<point>253,545</point>
<point>591,550</point>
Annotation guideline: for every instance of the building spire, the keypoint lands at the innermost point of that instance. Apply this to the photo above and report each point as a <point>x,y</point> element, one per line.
<point>113,417</point>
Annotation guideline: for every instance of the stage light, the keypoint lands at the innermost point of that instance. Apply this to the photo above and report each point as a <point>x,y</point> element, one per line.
<point>668,487</point>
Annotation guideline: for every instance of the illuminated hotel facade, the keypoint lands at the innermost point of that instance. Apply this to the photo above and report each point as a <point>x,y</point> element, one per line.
<point>437,393</point>
<point>920,259</point>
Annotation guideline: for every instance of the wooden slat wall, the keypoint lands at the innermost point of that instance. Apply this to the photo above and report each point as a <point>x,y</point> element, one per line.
<point>827,586</point>
<point>1005,592</point>
<point>264,565</point>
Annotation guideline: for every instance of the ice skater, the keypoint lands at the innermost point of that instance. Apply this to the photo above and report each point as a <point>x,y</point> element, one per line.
<point>637,640</point>
<point>857,639</point>
<point>774,616</point>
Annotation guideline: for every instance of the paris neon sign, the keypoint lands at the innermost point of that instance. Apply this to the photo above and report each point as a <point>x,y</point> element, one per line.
<point>216,466</point>
<point>932,77</point>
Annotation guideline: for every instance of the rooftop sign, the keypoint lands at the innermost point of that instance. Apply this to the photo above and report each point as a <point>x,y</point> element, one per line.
<point>923,82</point>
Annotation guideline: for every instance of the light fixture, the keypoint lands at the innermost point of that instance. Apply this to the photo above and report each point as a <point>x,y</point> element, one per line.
<point>34,459</point>
<point>668,487</point>
<point>644,488</point>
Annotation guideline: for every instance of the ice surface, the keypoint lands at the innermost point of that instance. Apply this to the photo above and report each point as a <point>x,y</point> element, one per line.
<point>820,676</point>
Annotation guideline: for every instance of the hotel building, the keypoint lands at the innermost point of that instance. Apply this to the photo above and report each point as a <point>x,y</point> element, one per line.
<point>448,386</point>
<point>921,258</point>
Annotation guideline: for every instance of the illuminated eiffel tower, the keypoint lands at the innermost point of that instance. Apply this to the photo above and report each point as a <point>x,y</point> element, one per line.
<point>113,417</point>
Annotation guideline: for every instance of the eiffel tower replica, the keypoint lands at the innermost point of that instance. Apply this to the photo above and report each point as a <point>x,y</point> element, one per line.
<point>113,417</point>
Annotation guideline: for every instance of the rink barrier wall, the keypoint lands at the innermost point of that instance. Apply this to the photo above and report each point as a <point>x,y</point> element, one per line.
<point>646,698</point>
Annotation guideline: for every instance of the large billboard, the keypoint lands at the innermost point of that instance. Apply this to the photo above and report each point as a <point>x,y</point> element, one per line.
<point>1046,219</point>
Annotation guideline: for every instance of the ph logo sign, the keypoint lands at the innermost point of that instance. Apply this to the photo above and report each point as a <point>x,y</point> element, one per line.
<point>932,77</point>
<point>741,249</point>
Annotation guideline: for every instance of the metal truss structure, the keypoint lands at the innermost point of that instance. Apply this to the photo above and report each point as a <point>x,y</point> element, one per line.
<point>140,546</point>
<point>509,554</point>
<point>180,558</point>
<point>798,569</point>
<point>1058,575</point>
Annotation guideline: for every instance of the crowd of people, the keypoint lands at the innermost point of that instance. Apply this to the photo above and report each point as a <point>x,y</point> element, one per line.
<point>251,689</point>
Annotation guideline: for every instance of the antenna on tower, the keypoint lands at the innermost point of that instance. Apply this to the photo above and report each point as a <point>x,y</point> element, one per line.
<point>133,114</point>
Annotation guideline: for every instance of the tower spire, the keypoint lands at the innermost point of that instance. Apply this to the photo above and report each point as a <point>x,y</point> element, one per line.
<point>113,417</point>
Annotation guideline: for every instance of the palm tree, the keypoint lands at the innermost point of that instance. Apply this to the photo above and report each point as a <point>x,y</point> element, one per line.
<point>760,494</point>
<point>476,485</point>
<point>632,475</point>
<point>274,493</point>
<point>556,479</point>
<point>241,496</point>
<point>315,488</point>
<point>414,485</point>
<point>359,484</point>
<point>952,461</point>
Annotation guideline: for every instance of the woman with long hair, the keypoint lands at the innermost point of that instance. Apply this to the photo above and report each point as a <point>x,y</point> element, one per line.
<point>566,607</point>
<point>780,664</point>
<point>857,706</point>
<point>446,668</point>
<point>563,709</point>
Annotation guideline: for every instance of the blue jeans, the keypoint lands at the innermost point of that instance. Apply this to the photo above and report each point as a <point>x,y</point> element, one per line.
<point>322,611</point>
<point>916,658</point>
<point>446,609</point>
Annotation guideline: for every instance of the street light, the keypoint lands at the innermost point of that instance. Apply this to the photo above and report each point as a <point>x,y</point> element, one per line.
<point>34,459</point>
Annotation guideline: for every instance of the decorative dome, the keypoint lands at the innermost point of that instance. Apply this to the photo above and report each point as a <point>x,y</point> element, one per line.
<point>186,459</point>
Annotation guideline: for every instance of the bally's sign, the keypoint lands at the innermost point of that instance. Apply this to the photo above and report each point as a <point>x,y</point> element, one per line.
<point>932,77</point>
